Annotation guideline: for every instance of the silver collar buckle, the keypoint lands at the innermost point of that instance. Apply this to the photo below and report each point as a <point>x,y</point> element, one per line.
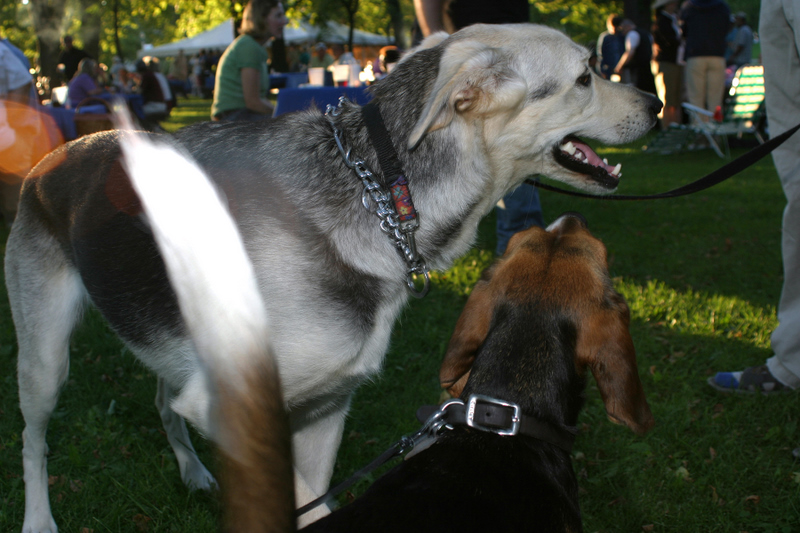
<point>516,417</point>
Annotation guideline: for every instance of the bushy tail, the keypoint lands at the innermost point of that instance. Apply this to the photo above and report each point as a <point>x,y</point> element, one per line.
<point>227,320</point>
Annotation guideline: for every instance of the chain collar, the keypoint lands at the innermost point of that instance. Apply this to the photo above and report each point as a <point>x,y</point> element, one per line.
<point>401,234</point>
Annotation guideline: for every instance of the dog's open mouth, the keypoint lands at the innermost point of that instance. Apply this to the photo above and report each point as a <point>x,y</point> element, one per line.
<point>575,155</point>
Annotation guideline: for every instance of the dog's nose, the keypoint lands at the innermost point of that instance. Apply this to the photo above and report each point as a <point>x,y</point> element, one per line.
<point>654,105</point>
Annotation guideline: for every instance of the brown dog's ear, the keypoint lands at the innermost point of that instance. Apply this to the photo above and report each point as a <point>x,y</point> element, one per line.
<point>470,332</point>
<point>606,347</point>
<point>472,77</point>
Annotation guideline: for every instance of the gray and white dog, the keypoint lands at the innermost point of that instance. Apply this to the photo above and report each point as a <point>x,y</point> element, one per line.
<point>470,117</point>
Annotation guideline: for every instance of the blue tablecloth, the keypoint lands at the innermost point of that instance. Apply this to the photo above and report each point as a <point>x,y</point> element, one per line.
<point>63,118</point>
<point>287,80</point>
<point>304,97</point>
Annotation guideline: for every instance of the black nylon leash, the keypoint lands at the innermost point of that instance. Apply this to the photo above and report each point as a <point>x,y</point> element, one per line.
<point>379,136</point>
<point>396,450</point>
<point>718,176</point>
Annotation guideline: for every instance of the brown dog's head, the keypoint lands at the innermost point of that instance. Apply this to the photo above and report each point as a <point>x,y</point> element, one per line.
<point>562,268</point>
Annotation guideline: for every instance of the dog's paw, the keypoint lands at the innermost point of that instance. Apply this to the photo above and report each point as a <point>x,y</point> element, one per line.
<point>39,524</point>
<point>197,477</point>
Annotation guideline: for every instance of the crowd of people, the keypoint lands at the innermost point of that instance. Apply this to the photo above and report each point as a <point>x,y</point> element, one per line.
<point>690,53</point>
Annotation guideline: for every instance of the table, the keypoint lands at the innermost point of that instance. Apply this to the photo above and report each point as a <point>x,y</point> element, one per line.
<point>288,80</point>
<point>300,98</point>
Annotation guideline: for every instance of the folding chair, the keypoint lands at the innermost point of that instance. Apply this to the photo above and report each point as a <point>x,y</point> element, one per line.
<point>741,113</point>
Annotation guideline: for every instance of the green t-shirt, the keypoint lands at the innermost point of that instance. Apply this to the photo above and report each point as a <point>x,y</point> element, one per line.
<point>244,52</point>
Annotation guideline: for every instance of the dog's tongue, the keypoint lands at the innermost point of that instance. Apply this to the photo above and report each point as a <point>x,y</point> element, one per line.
<point>581,151</point>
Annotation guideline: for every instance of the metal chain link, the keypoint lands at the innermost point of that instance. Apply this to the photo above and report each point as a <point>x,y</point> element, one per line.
<point>401,235</point>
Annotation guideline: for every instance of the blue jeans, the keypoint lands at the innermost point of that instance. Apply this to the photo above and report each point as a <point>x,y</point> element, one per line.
<point>518,210</point>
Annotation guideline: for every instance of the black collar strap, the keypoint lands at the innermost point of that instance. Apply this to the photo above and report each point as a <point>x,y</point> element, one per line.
<point>382,142</point>
<point>718,176</point>
<point>391,168</point>
<point>497,416</point>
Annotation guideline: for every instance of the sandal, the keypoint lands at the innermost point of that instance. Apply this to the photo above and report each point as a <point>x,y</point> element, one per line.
<point>749,381</point>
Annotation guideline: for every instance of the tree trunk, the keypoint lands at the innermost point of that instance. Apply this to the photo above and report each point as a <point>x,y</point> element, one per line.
<point>117,43</point>
<point>47,18</point>
<point>398,28</point>
<point>91,26</point>
<point>639,12</point>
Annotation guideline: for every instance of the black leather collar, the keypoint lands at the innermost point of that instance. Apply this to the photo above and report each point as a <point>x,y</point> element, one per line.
<point>496,416</point>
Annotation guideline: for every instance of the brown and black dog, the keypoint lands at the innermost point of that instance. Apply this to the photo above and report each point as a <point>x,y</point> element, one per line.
<point>539,317</point>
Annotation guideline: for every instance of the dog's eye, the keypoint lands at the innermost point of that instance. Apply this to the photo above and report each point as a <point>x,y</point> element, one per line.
<point>585,80</point>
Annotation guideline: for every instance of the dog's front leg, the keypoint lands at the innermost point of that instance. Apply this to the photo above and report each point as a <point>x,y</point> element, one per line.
<point>316,438</point>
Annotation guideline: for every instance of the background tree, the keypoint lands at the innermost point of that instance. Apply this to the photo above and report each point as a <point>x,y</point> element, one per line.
<point>583,20</point>
<point>120,27</point>
<point>47,21</point>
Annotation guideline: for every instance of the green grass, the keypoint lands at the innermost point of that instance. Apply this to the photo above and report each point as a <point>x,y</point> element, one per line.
<point>702,275</point>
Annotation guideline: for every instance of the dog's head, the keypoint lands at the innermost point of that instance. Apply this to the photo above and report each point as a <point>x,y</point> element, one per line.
<point>561,271</point>
<point>527,94</point>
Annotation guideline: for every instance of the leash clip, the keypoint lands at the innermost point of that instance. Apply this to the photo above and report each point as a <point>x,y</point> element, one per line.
<point>437,421</point>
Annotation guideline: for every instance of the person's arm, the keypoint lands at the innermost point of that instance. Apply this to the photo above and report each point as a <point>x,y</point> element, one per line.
<point>429,15</point>
<point>739,43</point>
<point>251,90</point>
<point>98,89</point>
<point>627,57</point>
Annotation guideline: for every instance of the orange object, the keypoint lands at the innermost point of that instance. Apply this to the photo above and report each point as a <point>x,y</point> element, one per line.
<point>35,135</point>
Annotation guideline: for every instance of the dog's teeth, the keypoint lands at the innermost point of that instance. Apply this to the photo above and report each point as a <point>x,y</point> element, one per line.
<point>605,161</point>
<point>569,148</point>
<point>617,170</point>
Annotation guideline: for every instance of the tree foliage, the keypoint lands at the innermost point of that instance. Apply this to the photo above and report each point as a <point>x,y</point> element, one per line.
<point>583,20</point>
<point>119,27</point>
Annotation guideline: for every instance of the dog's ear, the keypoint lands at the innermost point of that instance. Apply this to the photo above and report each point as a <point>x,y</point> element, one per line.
<point>432,40</point>
<point>470,332</point>
<point>606,347</point>
<point>473,77</point>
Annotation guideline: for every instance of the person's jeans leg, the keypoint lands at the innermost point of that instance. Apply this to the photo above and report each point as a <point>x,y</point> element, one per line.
<point>518,210</point>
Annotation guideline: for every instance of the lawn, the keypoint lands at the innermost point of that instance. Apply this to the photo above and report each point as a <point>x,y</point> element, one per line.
<point>702,275</point>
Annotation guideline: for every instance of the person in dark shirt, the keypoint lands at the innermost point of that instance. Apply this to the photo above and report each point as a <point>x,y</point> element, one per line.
<point>705,25</point>
<point>610,46</point>
<point>667,72</point>
<point>634,65</point>
<point>69,58</point>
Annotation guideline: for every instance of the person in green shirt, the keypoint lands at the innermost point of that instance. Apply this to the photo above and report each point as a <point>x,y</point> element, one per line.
<point>321,57</point>
<point>240,90</point>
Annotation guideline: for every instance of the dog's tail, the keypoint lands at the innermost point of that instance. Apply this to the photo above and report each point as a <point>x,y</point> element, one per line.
<point>223,310</point>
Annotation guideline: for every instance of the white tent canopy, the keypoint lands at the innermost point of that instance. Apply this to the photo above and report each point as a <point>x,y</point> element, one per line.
<point>218,37</point>
<point>334,32</point>
<point>222,35</point>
